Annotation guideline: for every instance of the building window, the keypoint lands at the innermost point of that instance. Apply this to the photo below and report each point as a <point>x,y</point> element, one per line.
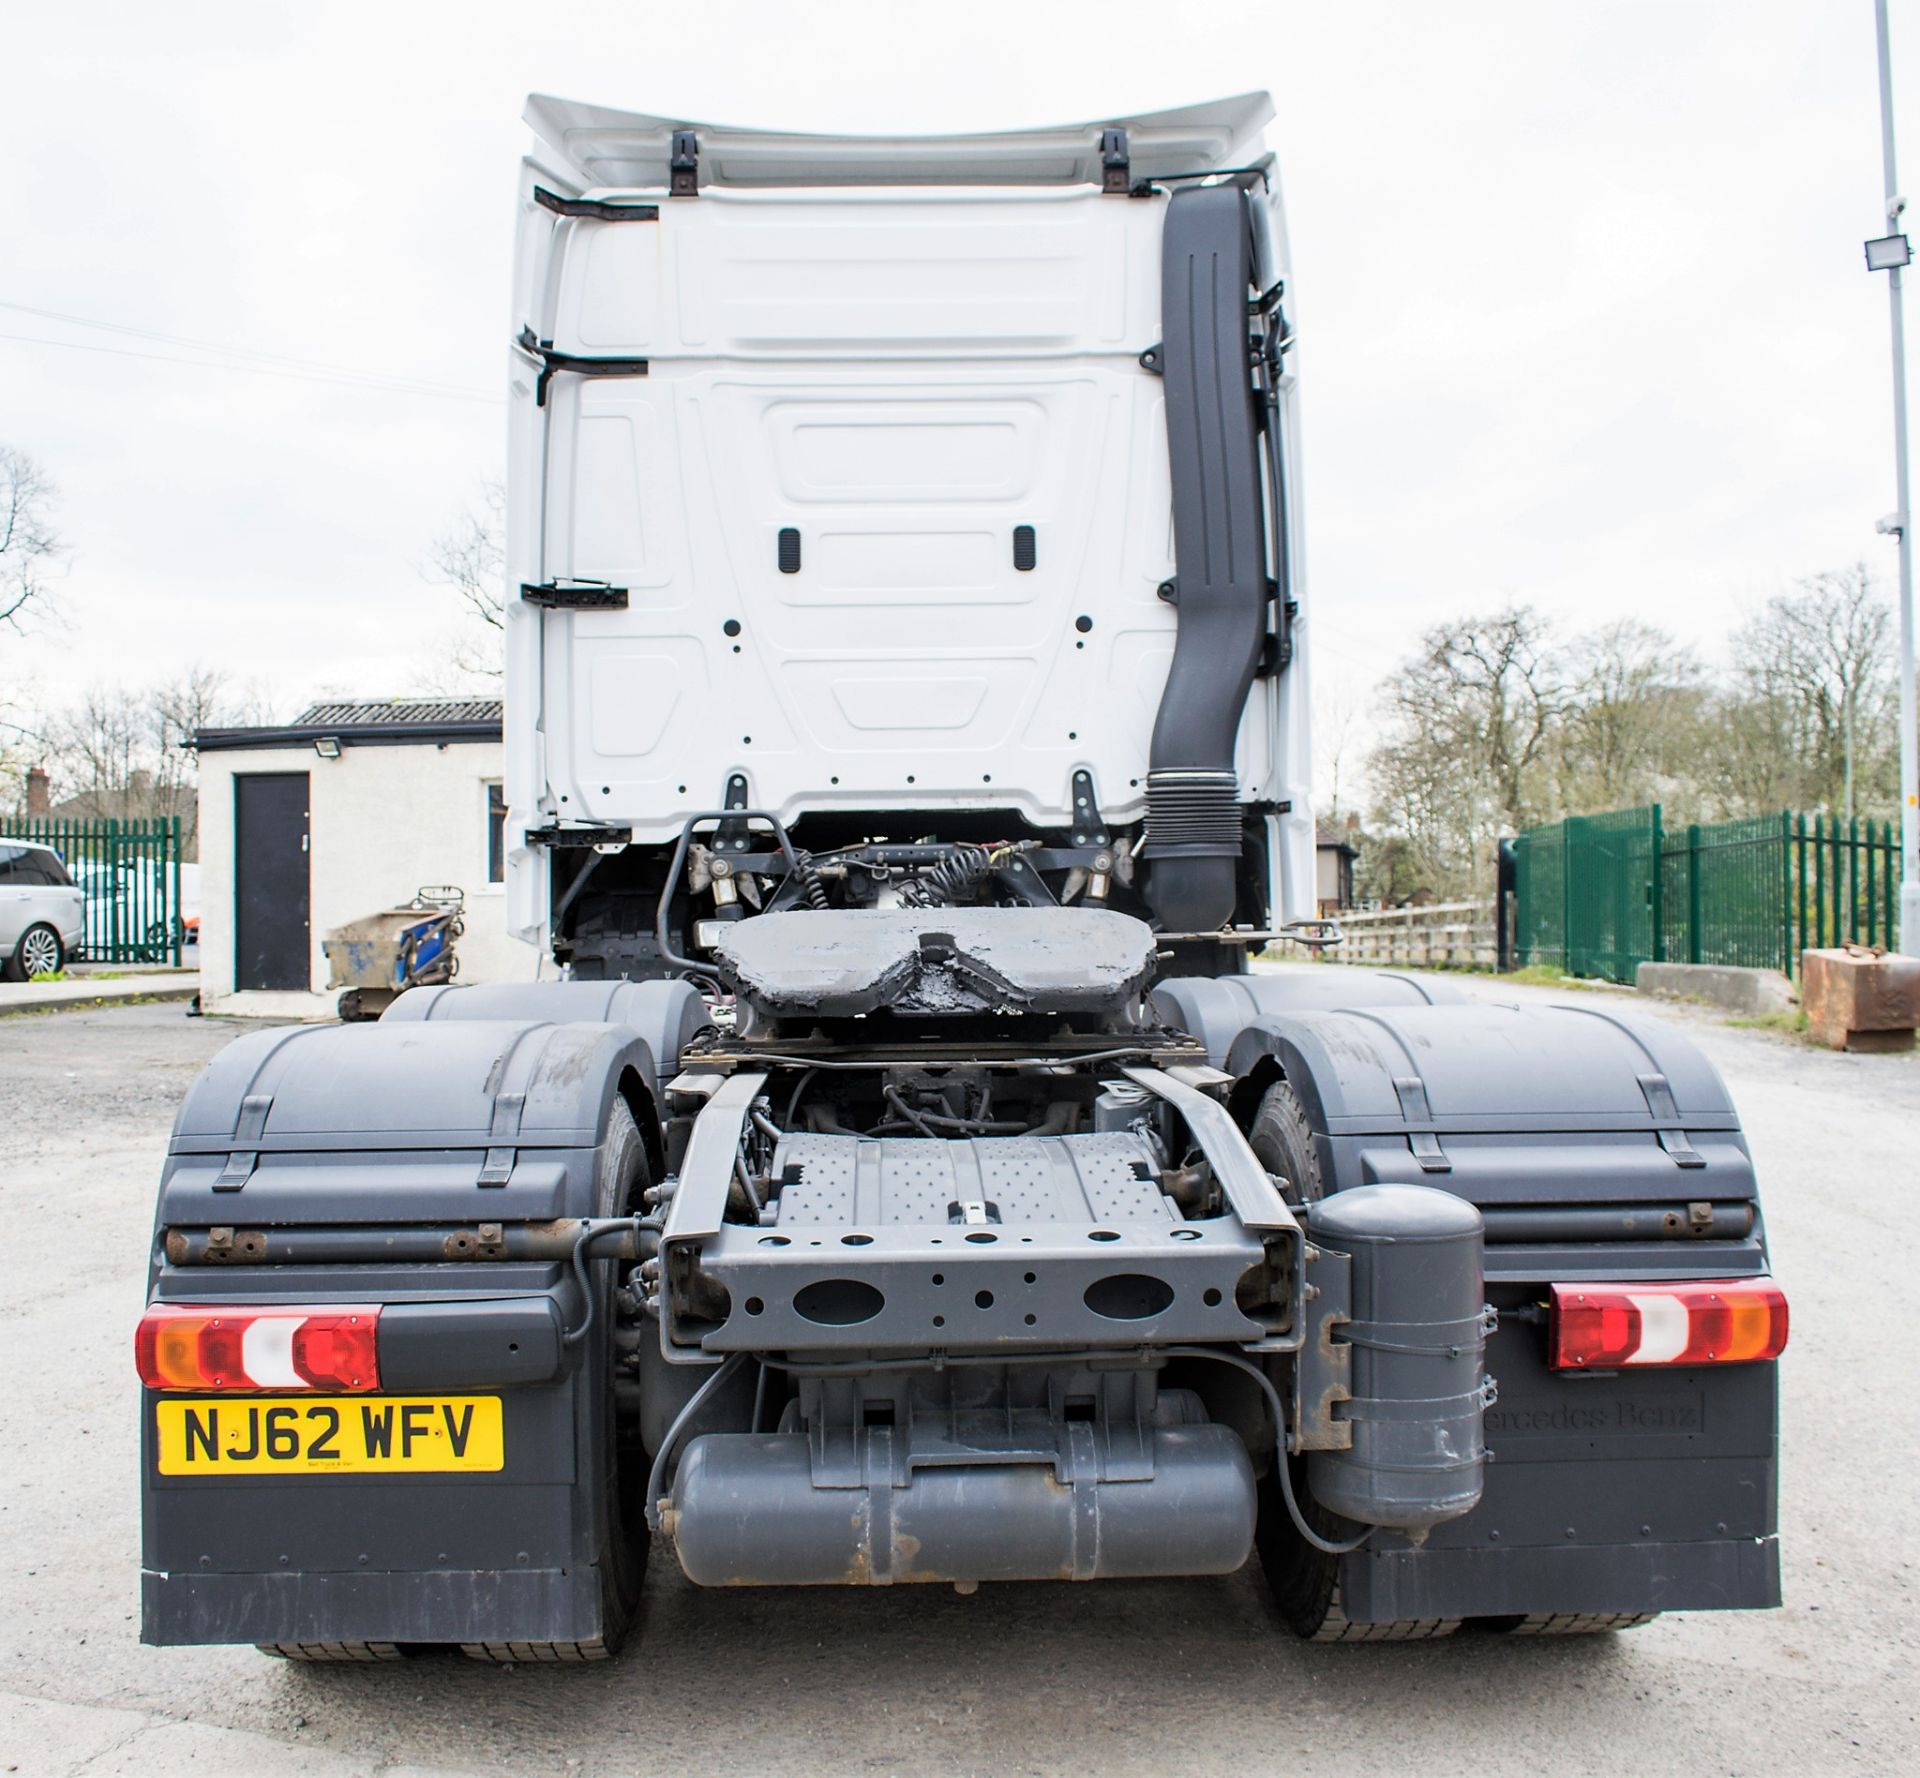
<point>496,834</point>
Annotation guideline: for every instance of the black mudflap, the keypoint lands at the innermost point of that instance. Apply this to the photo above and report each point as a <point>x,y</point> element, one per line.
<point>1598,1146</point>
<point>1636,1492</point>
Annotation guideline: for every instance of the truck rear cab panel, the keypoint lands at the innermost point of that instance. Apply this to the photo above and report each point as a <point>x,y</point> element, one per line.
<point>890,504</point>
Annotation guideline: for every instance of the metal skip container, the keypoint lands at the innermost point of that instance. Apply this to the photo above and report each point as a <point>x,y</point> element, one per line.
<point>378,958</point>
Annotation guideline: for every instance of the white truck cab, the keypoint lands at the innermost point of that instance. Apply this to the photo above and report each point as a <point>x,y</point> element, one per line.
<point>841,490</point>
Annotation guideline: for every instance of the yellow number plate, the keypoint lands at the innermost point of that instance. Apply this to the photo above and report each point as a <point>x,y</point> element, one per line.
<point>328,1435</point>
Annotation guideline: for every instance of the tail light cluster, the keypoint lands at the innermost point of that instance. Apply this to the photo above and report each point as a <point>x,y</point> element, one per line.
<point>282,1347</point>
<point>1719,1321</point>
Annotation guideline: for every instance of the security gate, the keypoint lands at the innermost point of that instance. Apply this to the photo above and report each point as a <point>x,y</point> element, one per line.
<point>1598,895</point>
<point>130,873</point>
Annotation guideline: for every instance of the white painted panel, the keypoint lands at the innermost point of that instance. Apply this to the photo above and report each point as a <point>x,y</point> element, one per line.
<point>865,274</point>
<point>902,567</point>
<point>877,275</point>
<point>613,487</point>
<point>898,702</point>
<point>612,295</point>
<point>907,710</point>
<point>633,693</point>
<point>902,377</point>
<point>948,451</point>
<point>610,497</point>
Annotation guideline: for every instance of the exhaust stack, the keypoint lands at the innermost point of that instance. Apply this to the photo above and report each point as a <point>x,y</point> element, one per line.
<point>1220,547</point>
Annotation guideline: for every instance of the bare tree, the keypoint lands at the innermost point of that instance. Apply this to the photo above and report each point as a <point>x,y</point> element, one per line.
<point>30,548</point>
<point>1471,719</point>
<point>1493,727</point>
<point>1338,733</point>
<point>1809,720</point>
<point>124,752</point>
<point>1630,728</point>
<point>471,557</point>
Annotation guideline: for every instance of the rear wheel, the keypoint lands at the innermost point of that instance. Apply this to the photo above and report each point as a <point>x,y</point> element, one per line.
<point>619,1508</point>
<point>1282,1140</point>
<point>39,952</point>
<point>1306,1581</point>
<point>1579,1623</point>
<point>353,1653</point>
<point>539,1654</point>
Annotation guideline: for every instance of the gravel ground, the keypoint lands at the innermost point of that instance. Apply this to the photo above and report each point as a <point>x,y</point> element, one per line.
<point>1121,1678</point>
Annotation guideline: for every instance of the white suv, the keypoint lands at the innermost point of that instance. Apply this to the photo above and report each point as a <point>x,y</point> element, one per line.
<point>40,911</point>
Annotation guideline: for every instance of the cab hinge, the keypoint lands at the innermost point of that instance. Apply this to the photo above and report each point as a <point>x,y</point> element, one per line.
<point>568,594</point>
<point>594,209</point>
<point>552,363</point>
<point>683,166</point>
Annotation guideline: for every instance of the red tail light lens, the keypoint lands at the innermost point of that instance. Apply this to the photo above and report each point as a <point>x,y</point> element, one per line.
<point>1720,1321</point>
<point>235,1347</point>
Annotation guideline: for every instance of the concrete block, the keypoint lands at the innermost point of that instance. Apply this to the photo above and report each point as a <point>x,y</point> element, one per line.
<point>1751,993</point>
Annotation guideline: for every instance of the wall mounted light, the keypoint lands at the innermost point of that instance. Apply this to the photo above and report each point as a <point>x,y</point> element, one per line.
<point>327,746</point>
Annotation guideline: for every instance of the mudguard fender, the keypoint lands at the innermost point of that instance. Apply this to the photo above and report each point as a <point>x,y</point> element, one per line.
<point>1216,1009</point>
<point>666,1013</point>
<point>483,1120</point>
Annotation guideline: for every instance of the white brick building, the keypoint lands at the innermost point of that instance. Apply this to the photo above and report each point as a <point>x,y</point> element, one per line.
<point>346,810</point>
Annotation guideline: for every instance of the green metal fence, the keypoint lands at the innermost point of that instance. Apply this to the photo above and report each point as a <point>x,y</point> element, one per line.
<point>130,871</point>
<point>1601,894</point>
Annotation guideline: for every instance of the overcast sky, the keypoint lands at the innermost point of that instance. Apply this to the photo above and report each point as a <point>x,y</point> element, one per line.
<point>1584,315</point>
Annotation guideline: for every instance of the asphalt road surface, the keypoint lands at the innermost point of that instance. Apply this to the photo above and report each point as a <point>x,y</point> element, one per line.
<point>1151,1678</point>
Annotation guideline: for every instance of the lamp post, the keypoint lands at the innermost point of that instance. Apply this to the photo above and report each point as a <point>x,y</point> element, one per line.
<point>1890,253</point>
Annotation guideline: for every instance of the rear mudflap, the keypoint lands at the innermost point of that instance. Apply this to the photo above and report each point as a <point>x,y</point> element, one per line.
<point>504,1555</point>
<point>391,1167</point>
<point>1636,1491</point>
<point>1597,1145</point>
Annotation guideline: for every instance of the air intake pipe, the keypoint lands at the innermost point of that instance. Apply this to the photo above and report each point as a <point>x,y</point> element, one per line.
<point>1219,536</point>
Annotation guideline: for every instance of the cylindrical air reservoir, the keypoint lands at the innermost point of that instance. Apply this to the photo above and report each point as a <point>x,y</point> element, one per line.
<point>1418,1338</point>
<point>747,1511</point>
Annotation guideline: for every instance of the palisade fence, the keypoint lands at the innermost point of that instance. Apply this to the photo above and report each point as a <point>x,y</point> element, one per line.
<point>1598,895</point>
<point>130,872</point>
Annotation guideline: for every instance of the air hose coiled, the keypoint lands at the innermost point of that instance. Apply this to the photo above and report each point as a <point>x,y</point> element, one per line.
<point>811,886</point>
<point>958,874</point>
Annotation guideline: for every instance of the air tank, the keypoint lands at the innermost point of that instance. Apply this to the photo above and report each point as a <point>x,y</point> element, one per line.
<point>1418,1338</point>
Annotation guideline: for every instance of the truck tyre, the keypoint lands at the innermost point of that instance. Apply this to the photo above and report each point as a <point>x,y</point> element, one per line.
<point>1579,1623</point>
<point>1282,1141</point>
<point>356,1653</point>
<point>623,1175</point>
<point>1306,1581</point>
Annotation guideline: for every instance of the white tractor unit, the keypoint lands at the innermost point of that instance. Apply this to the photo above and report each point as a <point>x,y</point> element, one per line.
<point>905,1177</point>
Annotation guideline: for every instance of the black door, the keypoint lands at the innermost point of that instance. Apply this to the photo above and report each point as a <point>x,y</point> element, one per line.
<point>271,944</point>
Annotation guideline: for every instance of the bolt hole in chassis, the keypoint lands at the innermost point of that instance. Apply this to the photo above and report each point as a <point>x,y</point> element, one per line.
<point>869,1210</point>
